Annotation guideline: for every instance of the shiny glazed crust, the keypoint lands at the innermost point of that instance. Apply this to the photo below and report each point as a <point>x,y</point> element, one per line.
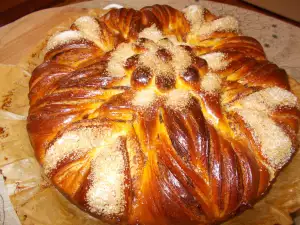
<point>177,157</point>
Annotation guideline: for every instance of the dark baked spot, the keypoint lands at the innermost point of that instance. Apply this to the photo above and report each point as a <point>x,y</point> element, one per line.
<point>164,55</point>
<point>199,62</point>
<point>3,132</point>
<point>131,61</point>
<point>165,82</point>
<point>141,76</point>
<point>191,75</point>
<point>187,48</point>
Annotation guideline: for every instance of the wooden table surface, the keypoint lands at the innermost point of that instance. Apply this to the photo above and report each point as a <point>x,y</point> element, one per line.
<point>11,10</point>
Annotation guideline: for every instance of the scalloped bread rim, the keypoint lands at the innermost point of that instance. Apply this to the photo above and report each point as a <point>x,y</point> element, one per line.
<point>35,57</point>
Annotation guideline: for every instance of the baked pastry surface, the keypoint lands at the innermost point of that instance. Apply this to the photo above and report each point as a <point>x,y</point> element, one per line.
<point>160,116</point>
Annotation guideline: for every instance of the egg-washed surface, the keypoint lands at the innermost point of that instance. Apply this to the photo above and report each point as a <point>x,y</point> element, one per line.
<point>176,103</point>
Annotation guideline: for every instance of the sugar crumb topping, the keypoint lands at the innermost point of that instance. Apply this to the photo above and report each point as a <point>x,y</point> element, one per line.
<point>89,27</point>
<point>178,99</point>
<point>181,59</point>
<point>115,66</point>
<point>152,61</point>
<point>211,82</point>
<point>156,65</point>
<point>106,195</point>
<point>227,23</point>
<point>275,144</point>
<point>63,38</point>
<point>215,60</point>
<point>269,99</point>
<point>195,15</point>
<point>151,33</point>
<point>144,98</point>
<point>76,142</point>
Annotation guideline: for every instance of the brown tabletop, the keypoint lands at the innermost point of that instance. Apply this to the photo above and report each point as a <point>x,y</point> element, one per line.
<point>12,10</point>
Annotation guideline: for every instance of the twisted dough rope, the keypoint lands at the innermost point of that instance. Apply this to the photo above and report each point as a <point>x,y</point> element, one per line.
<point>160,131</point>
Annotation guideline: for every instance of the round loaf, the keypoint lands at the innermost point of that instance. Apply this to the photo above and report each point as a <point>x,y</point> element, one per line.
<point>160,116</point>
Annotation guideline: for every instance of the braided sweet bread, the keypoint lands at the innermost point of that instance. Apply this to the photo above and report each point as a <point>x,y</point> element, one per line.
<point>159,116</point>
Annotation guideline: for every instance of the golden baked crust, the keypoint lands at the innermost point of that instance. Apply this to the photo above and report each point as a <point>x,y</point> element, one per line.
<point>159,116</point>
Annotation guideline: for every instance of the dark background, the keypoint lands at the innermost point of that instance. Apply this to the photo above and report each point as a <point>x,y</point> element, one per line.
<point>11,10</point>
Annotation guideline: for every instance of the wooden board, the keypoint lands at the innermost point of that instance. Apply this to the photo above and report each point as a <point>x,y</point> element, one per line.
<point>18,38</point>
